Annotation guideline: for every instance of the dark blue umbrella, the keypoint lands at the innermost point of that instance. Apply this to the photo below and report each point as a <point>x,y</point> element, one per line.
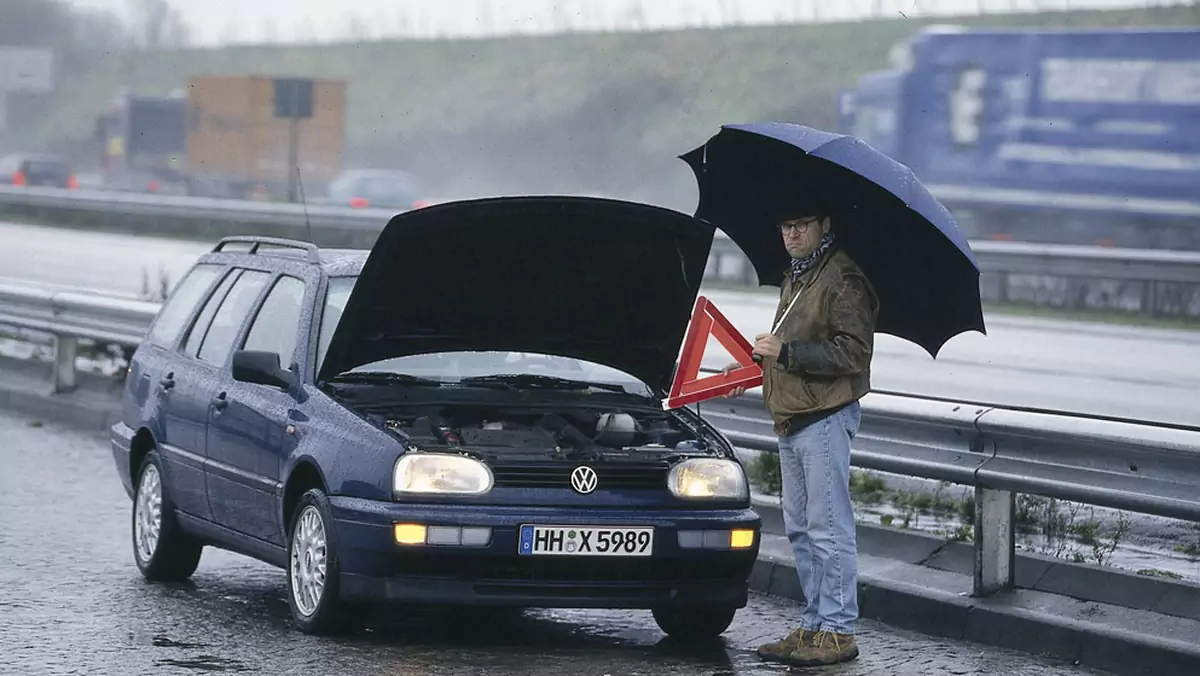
<point>904,240</point>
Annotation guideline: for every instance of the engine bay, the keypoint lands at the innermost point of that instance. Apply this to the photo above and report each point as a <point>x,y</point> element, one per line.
<point>569,433</point>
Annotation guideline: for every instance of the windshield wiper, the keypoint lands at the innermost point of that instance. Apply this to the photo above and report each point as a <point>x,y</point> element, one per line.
<point>386,377</point>
<point>519,380</point>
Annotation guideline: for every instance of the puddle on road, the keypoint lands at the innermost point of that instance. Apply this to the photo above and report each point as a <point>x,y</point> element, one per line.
<point>164,642</point>
<point>202,662</point>
<point>207,663</point>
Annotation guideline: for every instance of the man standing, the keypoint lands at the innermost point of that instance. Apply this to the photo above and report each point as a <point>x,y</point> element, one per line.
<point>816,367</point>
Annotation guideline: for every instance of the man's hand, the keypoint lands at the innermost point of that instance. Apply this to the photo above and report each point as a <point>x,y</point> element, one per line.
<point>740,389</point>
<point>767,345</point>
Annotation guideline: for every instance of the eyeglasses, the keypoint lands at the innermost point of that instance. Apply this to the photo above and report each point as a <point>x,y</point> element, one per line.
<point>801,226</point>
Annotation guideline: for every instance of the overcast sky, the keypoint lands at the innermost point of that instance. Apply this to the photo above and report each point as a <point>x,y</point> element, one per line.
<point>286,20</point>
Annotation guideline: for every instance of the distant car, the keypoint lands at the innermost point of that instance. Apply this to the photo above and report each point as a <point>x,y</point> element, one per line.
<point>470,414</point>
<point>37,171</point>
<point>375,188</point>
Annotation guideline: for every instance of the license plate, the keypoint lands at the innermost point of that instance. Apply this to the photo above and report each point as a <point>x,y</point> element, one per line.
<point>585,541</point>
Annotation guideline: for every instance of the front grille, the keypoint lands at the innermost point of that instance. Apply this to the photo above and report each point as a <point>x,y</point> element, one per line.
<point>626,476</point>
<point>572,569</point>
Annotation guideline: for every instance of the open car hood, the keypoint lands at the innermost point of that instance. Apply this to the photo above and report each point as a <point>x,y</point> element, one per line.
<point>602,280</point>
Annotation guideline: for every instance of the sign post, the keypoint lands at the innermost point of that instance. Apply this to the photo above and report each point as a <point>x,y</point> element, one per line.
<point>293,102</point>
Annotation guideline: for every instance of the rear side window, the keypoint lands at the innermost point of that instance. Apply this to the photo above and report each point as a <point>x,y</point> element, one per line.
<point>278,321</point>
<point>200,327</point>
<point>218,341</point>
<point>178,307</point>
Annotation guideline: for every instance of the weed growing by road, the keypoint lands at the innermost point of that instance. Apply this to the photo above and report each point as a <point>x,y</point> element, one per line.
<point>1060,527</point>
<point>765,474</point>
<point>1155,572</point>
<point>1056,528</point>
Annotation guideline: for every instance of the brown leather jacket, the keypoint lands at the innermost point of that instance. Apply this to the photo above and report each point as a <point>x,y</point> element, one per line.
<point>828,340</point>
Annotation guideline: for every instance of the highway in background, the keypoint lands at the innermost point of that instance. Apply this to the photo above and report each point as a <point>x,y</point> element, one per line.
<point>1149,374</point>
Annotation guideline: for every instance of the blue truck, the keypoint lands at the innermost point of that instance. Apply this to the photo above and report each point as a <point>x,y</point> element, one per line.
<point>1054,136</point>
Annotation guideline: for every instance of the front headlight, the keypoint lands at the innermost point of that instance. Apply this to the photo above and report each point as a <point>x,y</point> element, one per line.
<point>708,478</point>
<point>441,474</point>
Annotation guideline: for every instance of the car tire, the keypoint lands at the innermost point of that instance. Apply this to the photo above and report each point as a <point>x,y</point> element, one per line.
<point>162,551</point>
<point>692,624</point>
<point>313,569</point>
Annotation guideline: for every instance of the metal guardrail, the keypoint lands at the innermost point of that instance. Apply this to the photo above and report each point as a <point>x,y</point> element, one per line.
<point>1135,466</point>
<point>71,315</point>
<point>1141,467</point>
<point>341,226</point>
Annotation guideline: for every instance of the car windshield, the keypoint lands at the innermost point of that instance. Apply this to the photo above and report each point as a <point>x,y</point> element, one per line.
<point>524,369</point>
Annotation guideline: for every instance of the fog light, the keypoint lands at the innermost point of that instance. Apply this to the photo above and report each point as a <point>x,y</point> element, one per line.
<point>443,535</point>
<point>409,533</point>
<point>716,539</point>
<point>741,539</point>
<point>691,539</point>
<point>476,537</point>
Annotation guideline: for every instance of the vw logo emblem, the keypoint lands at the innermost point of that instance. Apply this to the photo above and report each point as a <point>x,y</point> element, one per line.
<point>583,480</point>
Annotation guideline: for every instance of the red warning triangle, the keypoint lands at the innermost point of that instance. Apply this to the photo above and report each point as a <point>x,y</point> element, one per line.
<point>687,388</point>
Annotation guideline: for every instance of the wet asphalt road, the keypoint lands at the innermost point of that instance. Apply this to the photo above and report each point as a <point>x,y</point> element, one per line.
<point>72,602</point>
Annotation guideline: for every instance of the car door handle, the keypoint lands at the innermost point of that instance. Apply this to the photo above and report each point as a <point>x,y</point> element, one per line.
<point>167,381</point>
<point>219,402</point>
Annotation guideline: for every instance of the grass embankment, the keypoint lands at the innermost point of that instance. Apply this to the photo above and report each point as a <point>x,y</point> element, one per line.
<point>601,113</point>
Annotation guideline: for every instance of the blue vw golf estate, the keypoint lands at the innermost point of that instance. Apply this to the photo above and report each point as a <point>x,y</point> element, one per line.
<point>469,413</point>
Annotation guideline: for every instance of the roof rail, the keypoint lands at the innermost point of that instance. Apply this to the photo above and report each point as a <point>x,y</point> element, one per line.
<point>255,241</point>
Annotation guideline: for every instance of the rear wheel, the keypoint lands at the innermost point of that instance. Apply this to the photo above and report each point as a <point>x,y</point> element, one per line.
<point>313,567</point>
<point>691,624</point>
<point>162,550</point>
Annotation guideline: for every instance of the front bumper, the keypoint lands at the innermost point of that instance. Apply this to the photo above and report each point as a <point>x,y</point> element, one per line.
<point>376,568</point>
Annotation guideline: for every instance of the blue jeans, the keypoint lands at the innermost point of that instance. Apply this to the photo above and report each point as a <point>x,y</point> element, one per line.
<point>819,518</point>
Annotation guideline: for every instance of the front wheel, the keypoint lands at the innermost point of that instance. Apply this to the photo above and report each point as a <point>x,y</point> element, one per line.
<point>694,624</point>
<point>313,567</point>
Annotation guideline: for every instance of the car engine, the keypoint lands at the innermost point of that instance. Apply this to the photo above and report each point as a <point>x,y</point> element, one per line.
<point>575,433</point>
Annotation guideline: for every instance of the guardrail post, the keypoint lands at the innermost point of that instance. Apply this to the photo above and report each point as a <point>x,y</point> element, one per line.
<point>995,542</point>
<point>65,349</point>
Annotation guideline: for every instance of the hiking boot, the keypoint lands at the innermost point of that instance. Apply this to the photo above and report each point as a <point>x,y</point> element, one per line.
<point>780,650</point>
<point>825,648</point>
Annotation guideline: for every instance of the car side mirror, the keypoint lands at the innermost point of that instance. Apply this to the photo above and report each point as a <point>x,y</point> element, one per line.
<point>261,368</point>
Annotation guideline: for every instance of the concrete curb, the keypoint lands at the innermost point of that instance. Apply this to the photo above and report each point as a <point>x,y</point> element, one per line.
<point>911,592</point>
<point>1036,572</point>
<point>25,387</point>
<point>998,621</point>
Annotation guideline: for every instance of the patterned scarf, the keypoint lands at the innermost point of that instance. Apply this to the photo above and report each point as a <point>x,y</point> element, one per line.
<point>801,265</point>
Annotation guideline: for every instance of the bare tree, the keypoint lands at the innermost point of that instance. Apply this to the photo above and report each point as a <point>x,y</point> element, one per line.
<point>73,34</point>
<point>156,25</point>
<point>635,16</point>
<point>356,29</point>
